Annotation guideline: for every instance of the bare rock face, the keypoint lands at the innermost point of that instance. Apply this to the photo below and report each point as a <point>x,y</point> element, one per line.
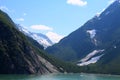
<point>17,54</point>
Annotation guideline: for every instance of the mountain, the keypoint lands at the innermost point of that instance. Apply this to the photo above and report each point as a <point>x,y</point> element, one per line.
<point>96,42</point>
<point>40,38</point>
<point>17,54</point>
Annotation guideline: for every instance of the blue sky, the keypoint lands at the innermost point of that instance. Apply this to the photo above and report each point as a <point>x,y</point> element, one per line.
<point>56,18</point>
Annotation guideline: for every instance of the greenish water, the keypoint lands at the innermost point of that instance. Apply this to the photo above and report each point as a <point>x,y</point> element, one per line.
<point>60,77</point>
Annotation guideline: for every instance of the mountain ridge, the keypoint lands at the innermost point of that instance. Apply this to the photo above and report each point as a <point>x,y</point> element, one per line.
<point>95,45</point>
<point>39,37</point>
<point>17,54</point>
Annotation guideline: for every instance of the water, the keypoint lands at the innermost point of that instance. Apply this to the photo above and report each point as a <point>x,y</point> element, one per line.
<point>60,77</point>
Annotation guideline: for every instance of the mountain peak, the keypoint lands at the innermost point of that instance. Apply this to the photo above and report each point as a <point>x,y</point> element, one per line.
<point>39,37</point>
<point>111,8</point>
<point>96,42</point>
<point>91,36</point>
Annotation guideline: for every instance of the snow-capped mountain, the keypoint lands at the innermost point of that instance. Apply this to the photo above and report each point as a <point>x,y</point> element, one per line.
<point>40,38</point>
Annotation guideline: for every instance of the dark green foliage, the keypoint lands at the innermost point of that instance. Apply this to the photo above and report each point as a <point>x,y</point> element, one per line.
<point>17,54</point>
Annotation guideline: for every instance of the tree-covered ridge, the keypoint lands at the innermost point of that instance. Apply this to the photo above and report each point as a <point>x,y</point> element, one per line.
<point>17,54</point>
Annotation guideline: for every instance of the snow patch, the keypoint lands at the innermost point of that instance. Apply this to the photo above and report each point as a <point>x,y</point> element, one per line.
<point>41,40</point>
<point>97,14</point>
<point>95,42</point>
<point>91,61</point>
<point>112,1</point>
<point>92,33</point>
<point>115,47</point>
<point>24,30</point>
<point>91,55</point>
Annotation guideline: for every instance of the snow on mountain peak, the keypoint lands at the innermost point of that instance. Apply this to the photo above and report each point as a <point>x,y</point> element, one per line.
<point>40,38</point>
<point>98,14</point>
<point>22,29</point>
<point>112,1</point>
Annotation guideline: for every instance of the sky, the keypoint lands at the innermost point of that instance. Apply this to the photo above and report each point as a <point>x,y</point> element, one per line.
<point>54,18</point>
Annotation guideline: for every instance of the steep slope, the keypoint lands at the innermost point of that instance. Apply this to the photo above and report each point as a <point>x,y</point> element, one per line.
<point>97,40</point>
<point>40,38</point>
<point>17,54</point>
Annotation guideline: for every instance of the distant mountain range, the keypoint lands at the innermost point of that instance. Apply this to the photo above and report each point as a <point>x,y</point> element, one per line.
<point>39,37</point>
<point>96,44</point>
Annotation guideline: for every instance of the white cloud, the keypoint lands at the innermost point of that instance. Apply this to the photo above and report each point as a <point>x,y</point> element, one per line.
<point>110,1</point>
<point>77,2</point>
<point>54,36</point>
<point>4,8</point>
<point>48,31</point>
<point>41,27</point>
<point>20,19</point>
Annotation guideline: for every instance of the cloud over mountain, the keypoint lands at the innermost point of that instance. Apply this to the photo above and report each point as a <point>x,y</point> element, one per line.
<point>54,36</point>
